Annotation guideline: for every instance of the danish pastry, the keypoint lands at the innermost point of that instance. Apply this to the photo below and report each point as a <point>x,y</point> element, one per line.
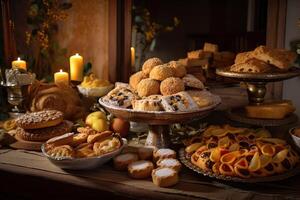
<point>120,96</point>
<point>64,151</point>
<point>164,177</point>
<point>147,87</point>
<point>181,101</point>
<point>150,64</point>
<point>161,72</point>
<point>107,145</point>
<point>122,161</point>
<point>140,169</point>
<point>251,66</point>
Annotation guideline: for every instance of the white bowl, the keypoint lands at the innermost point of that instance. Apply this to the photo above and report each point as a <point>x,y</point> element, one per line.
<point>84,163</point>
<point>295,138</point>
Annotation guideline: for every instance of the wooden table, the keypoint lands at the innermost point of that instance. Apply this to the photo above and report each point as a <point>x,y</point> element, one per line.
<point>30,175</point>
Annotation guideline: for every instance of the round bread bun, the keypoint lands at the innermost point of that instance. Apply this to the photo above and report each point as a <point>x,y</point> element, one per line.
<point>136,78</point>
<point>147,87</point>
<point>161,72</point>
<point>171,86</point>
<point>150,63</point>
<point>180,70</point>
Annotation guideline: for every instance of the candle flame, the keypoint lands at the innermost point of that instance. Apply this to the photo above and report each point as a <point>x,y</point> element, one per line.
<point>60,70</point>
<point>77,54</point>
<point>19,58</point>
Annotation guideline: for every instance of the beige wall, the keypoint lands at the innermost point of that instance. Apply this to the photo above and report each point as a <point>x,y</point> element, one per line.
<point>85,31</point>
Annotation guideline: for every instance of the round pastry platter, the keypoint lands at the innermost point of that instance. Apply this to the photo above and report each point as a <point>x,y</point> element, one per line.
<point>260,77</point>
<point>185,159</point>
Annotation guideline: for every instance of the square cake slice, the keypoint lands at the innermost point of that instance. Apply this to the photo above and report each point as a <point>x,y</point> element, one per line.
<point>180,101</point>
<point>120,96</point>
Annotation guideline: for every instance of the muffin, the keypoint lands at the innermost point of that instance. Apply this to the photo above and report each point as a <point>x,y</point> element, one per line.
<point>161,72</point>
<point>179,69</point>
<point>136,78</point>
<point>150,63</point>
<point>147,87</point>
<point>171,86</point>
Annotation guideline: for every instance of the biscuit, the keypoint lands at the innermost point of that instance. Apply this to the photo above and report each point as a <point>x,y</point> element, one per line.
<point>171,86</point>
<point>179,69</point>
<point>122,161</point>
<point>147,87</point>
<point>161,72</point>
<point>243,57</point>
<point>98,136</point>
<point>44,134</point>
<point>64,151</point>
<point>170,163</point>
<point>136,78</point>
<point>149,64</point>
<point>41,119</point>
<point>140,169</point>
<point>146,105</point>
<point>163,153</point>
<point>251,66</point>
<point>191,81</point>
<point>164,177</point>
<point>280,58</point>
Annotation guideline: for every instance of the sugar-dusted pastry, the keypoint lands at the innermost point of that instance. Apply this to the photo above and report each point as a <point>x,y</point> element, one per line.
<point>44,134</point>
<point>98,136</point>
<point>146,105</point>
<point>40,119</point>
<point>170,163</point>
<point>120,96</point>
<point>163,153</point>
<point>107,145</point>
<point>161,72</point>
<point>122,161</point>
<point>146,153</point>
<point>150,64</point>
<point>179,69</point>
<point>147,87</point>
<point>191,81</point>
<point>243,57</point>
<point>136,78</point>
<point>202,98</point>
<point>280,58</point>
<point>140,169</point>
<point>171,85</point>
<point>64,151</point>
<point>181,101</point>
<point>251,66</point>
<point>164,177</point>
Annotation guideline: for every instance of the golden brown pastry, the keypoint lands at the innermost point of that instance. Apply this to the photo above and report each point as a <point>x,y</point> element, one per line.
<point>169,163</point>
<point>202,98</point>
<point>251,66</point>
<point>191,81</point>
<point>136,78</point>
<point>122,161</point>
<point>163,153</point>
<point>280,58</point>
<point>161,72</point>
<point>65,139</point>
<point>120,96</point>
<point>181,101</point>
<point>171,86</point>
<point>164,177</point>
<point>147,87</point>
<point>98,136</point>
<point>149,64</point>
<point>243,57</point>
<point>84,150</point>
<point>41,119</point>
<point>179,69</point>
<point>64,151</point>
<point>106,145</point>
<point>79,138</point>
<point>140,169</point>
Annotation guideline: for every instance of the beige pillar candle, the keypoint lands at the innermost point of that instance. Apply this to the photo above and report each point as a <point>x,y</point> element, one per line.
<point>132,56</point>
<point>76,67</point>
<point>61,77</point>
<point>19,64</point>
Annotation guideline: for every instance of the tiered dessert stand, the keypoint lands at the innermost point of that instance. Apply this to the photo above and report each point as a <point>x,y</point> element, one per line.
<point>256,89</point>
<point>159,121</point>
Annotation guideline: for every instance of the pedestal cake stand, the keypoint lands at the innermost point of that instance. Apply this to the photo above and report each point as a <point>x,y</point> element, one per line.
<point>159,121</point>
<point>256,89</point>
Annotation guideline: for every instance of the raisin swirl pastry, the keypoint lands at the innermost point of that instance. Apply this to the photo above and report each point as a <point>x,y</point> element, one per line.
<point>120,96</point>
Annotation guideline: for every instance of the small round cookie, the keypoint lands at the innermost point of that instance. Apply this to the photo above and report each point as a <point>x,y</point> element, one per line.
<point>140,169</point>
<point>163,153</point>
<point>164,177</point>
<point>122,161</point>
<point>44,134</point>
<point>150,63</point>
<point>136,78</point>
<point>161,72</point>
<point>146,153</point>
<point>41,119</point>
<point>179,69</point>
<point>171,86</point>
<point>147,87</point>
<point>170,163</point>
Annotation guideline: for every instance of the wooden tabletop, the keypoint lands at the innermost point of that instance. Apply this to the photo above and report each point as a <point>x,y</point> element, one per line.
<point>29,175</point>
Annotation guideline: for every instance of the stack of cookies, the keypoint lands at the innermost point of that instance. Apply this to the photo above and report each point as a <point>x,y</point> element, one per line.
<point>41,126</point>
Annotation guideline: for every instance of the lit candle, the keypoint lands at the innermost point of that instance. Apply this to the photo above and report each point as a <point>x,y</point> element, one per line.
<point>61,77</point>
<point>76,67</point>
<point>132,56</point>
<point>19,64</point>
